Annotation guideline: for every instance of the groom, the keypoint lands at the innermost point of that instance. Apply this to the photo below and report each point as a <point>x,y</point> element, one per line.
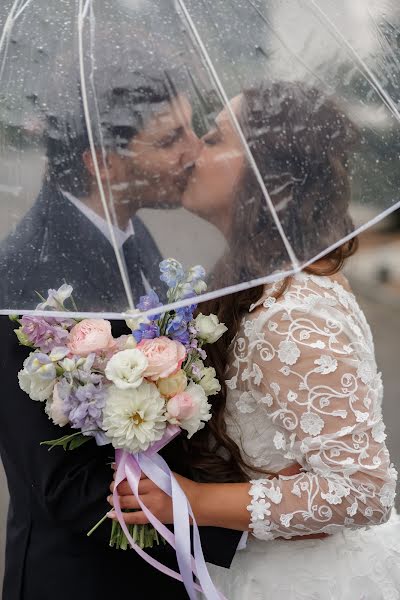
<point>142,160</point>
<point>56,497</point>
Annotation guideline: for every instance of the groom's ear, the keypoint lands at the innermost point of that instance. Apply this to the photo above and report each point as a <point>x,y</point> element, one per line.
<point>97,160</point>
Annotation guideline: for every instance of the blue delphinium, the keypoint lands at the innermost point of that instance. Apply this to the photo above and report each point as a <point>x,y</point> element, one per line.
<point>172,272</point>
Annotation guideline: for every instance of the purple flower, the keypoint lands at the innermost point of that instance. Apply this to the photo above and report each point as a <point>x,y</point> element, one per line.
<point>43,333</point>
<point>177,328</point>
<point>84,409</point>
<point>148,302</point>
<point>147,331</point>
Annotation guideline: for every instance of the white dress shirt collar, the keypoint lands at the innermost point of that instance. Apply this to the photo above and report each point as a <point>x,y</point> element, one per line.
<point>100,223</point>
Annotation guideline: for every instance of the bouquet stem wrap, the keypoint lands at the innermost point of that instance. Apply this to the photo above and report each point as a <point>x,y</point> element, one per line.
<point>129,467</point>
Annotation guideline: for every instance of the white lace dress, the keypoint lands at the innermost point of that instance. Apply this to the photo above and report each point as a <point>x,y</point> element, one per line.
<point>304,387</point>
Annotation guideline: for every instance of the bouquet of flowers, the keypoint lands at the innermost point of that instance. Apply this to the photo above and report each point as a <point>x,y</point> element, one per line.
<point>135,392</point>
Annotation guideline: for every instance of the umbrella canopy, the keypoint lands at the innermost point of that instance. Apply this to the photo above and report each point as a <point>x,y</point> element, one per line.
<point>252,137</point>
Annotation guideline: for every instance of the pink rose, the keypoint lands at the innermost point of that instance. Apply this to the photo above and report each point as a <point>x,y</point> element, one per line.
<point>165,357</point>
<point>91,335</point>
<point>181,407</point>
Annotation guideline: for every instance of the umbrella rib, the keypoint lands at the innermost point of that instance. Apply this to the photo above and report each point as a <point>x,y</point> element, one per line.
<point>220,88</point>
<point>356,232</point>
<point>81,17</point>
<point>365,70</point>
<point>21,10</point>
<point>6,33</point>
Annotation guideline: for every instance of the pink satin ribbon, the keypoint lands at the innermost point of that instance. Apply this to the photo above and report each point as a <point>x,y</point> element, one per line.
<point>130,467</point>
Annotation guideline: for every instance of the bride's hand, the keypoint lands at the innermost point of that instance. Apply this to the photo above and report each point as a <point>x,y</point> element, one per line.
<point>159,503</point>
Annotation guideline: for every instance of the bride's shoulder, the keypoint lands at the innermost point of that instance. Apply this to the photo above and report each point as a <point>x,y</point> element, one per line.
<point>303,291</point>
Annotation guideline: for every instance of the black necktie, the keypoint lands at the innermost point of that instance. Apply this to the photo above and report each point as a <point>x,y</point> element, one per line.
<point>133,264</point>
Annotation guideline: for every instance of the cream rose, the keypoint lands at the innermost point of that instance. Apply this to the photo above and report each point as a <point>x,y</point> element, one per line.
<point>126,368</point>
<point>173,385</point>
<point>209,382</point>
<point>209,328</point>
<point>165,357</point>
<point>91,336</point>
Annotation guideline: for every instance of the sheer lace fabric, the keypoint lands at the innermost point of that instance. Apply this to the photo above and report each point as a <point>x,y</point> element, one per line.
<point>304,386</point>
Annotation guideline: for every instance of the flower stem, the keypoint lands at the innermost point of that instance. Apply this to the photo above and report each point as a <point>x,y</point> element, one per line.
<point>98,525</point>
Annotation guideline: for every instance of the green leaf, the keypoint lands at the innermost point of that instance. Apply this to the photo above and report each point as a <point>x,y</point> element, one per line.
<point>68,442</point>
<point>23,338</point>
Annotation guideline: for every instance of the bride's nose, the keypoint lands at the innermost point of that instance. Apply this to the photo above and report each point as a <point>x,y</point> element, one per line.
<point>193,148</point>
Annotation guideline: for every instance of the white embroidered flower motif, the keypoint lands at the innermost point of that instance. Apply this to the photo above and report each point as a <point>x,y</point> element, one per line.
<point>288,352</point>
<point>296,490</point>
<point>231,383</point>
<point>259,510</point>
<point>388,494</point>
<point>279,441</point>
<point>255,374</point>
<point>361,417</point>
<point>335,493</point>
<point>378,432</point>
<point>249,328</point>
<point>286,519</point>
<point>352,510</point>
<point>269,302</point>
<point>311,423</point>
<point>326,364</point>
<point>267,400</point>
<point>258,488</point>
<point>275,387</point>
<point>246,403</point>
<point>365,371</point>
<point>261,530</point>
<point>274,493</point>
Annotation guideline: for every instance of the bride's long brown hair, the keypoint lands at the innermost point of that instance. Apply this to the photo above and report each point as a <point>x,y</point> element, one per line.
<point>300,141</point>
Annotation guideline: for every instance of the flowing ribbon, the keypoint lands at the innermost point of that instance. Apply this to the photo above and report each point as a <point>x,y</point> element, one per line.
<point>130,467</point>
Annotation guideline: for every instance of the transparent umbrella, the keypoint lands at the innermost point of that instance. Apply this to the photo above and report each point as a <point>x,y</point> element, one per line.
<point>251,137</point>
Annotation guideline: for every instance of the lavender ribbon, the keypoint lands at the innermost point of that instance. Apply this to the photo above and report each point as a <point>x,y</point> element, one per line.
<point>130,467</point>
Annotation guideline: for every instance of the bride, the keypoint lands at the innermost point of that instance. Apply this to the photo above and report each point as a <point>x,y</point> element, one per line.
<point>302,385</point>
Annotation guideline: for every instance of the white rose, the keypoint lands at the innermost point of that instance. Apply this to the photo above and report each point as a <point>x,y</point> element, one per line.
<point>201,410</point>
<point>36,387</point>
<point>134,419</point>
<point>209,328</point>
<point>126,368</point>
<point>55,408</point>
<point>135,320</point>
<point>209,382</point>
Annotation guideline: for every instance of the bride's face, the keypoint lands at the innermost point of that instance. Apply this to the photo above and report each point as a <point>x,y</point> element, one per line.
<point>218,171</point>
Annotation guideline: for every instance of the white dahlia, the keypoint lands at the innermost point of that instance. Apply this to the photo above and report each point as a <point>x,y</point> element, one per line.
<point>134,418</point>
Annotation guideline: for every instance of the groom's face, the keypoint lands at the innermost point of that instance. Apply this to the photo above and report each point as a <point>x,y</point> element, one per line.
<point>158,161</point>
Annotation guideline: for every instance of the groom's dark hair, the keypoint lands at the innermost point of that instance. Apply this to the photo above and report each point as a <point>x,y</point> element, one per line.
<point>118,113</point>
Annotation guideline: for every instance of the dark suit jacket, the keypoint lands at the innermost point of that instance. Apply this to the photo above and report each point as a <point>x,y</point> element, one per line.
<point>55,497</point>
<point>56,243</point>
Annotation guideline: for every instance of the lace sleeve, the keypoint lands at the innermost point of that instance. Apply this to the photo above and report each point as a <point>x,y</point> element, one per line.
<point>311,367</point>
